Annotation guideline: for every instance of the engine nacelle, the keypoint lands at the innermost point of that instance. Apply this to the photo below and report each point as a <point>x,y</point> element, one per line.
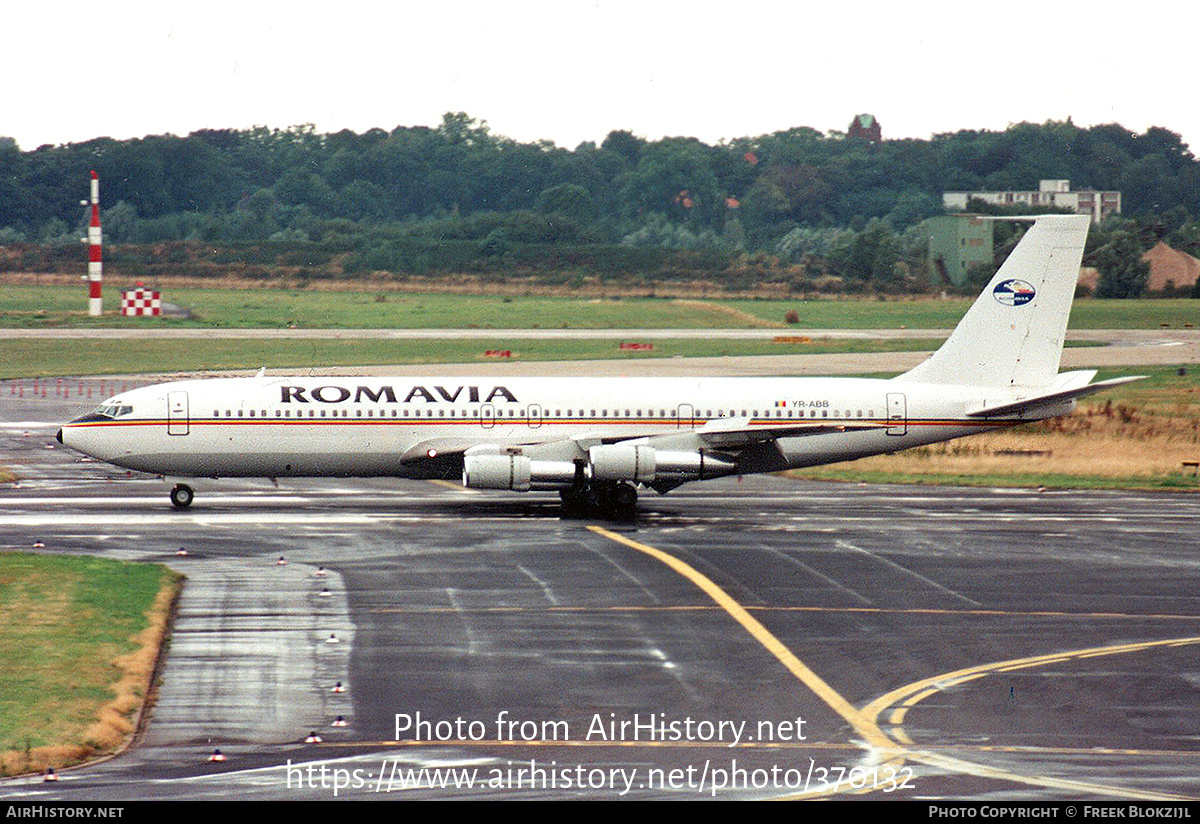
<point>622,462</point>
<point>645,464</point>
<point>516,472</point>
<point>692,466</point>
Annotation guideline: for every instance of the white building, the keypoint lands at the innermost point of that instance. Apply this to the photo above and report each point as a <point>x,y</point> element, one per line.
<point>1098,205</point>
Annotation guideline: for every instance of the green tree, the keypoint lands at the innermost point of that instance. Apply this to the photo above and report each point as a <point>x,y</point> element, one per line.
<point>1123,273</point>
<point>121,223</point>
<point>624,143</point>
<point>871,254</point>
<point>569,200</point>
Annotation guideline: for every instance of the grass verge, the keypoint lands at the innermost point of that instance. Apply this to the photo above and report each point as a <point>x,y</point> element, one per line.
<point>25,358</point>
<point>1136,436</point>
<point>80,642</point>
<point>63,306</point>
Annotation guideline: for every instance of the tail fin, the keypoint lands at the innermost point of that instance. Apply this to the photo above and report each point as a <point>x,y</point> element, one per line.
<point>1013,334</point>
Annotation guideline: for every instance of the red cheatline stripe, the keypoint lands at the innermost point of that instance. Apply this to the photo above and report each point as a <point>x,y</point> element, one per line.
<point>473,422</point>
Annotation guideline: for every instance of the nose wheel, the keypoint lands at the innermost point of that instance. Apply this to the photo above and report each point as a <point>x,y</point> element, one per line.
<point>182,496</point>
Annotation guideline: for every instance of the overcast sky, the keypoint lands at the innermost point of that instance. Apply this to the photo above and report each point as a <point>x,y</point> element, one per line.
<point>569,72</point>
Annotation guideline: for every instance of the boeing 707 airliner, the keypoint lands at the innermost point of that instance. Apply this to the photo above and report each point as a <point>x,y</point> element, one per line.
<point>598,440</point>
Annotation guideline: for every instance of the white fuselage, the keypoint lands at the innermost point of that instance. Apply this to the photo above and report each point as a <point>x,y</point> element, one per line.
<point>392,426</point>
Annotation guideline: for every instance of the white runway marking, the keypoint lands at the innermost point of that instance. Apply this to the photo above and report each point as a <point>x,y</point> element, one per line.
<point>917,575</point>
<point>157,500</point>
<point>785,556</point>
<point>545,588</point>
<point>168,518</point>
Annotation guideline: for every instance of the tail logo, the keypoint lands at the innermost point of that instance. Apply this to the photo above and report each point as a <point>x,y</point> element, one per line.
<point>1014,292</point>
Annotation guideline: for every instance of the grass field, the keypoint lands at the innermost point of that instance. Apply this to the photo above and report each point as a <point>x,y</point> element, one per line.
<point>60,306</point>
<point>81,636</point>
<point>24,358</point>
<point>934,314</point>
<point>50,306</point>
<point>1136,436</point>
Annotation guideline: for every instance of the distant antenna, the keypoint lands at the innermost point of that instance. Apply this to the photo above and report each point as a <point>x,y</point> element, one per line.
<point>95,267</point>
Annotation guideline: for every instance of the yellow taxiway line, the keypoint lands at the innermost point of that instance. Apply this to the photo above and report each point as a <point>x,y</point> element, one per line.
<point>898,746</point>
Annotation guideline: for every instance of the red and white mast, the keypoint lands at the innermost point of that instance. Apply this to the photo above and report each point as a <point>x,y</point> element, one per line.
<point>95,267</point>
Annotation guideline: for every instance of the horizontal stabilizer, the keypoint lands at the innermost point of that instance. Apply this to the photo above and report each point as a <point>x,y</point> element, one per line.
<point>1024,404</point>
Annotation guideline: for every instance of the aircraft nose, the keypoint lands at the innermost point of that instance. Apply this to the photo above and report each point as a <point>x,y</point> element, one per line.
<point>58,437</point>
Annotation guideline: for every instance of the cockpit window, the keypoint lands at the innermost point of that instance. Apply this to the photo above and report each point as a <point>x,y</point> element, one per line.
<point>114,410</point>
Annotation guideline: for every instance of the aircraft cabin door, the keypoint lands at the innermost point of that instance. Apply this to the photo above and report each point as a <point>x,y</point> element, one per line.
<point>685,416</point>
<point>535,416</point>
<point>487,416</point>
<point>897,414</point>
<point>177,413</point>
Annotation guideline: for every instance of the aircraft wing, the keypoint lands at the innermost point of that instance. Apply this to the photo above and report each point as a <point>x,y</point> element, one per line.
<point>721,432</point>
<point>739,432</point>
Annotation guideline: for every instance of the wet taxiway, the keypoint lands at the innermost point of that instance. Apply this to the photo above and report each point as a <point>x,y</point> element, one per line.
<point>754,638</point>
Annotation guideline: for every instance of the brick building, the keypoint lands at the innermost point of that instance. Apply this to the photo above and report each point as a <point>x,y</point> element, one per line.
<point>865,126</point>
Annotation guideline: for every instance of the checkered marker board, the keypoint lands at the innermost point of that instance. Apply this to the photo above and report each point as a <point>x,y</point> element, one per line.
<point>141,302</point>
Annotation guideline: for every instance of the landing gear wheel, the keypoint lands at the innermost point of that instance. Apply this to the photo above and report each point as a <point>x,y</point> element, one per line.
<point>182,496</point>
<point>615,500</point>
<point>607,499</point>
<point>624,498</point>
<point>573,499</point>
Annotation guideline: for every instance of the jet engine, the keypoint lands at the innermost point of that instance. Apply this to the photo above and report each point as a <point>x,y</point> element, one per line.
<point>636,463</point>
<point>516,472</point>
<point>645,464</point>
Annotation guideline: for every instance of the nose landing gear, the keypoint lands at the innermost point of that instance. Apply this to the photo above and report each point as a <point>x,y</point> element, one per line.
<point>182,496</point>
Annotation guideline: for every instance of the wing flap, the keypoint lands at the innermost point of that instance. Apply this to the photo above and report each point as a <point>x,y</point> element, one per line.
<point>735,431</point>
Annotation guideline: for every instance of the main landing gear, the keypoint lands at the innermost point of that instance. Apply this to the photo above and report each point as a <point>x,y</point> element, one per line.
<point>182,496</point>
<point>613,499</point>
